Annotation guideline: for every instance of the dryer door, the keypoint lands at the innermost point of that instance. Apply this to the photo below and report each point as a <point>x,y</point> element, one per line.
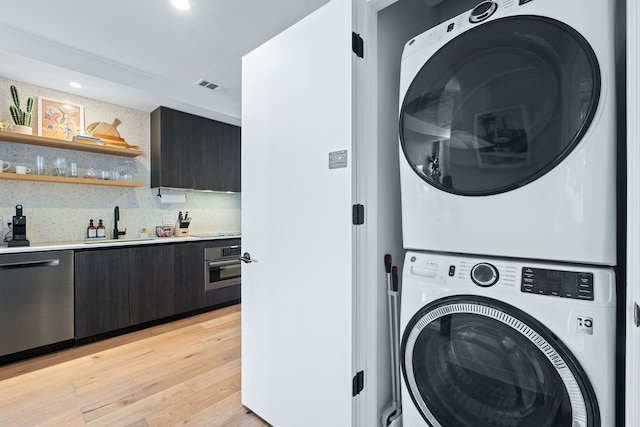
<point>471,361</point>
<point>500,105</point>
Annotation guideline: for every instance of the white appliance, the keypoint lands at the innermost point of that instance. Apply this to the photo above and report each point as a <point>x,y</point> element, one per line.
<point>507,132</point>
<point>504,342</point>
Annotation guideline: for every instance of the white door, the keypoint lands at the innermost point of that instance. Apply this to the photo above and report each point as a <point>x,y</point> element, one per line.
<point>298,293</point>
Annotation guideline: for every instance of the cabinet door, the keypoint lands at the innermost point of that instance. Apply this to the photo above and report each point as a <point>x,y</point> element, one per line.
<point>151,282</point>
<point>171,145</point>
<point>189,276</point>
<point>216,155</point>
<point>231,149</point>
<point>101,291</point>
<point>206,155</point>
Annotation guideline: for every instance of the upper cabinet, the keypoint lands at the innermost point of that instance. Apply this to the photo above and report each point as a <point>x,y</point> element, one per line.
<point>193,152</point>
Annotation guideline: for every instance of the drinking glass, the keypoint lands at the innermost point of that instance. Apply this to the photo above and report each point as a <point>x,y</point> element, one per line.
<point>60,166</point>
<point>40,165</point>
<point>126,174</point>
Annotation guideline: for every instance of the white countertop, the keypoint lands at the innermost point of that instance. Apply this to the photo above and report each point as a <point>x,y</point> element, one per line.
<point>101,243</point>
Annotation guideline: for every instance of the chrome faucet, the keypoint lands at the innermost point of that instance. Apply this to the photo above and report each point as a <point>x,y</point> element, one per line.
<point>116,218</point>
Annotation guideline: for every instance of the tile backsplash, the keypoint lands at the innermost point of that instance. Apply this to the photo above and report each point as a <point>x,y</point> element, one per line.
<point>61,212</point>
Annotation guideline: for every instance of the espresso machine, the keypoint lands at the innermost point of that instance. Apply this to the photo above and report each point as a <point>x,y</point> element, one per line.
<point>19,229</point>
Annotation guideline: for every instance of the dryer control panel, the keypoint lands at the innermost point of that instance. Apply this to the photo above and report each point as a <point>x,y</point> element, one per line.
<point>566,284</point>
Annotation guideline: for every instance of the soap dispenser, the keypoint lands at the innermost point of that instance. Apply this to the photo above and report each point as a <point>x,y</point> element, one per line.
<point>101,231</point>
<point>91,230</point>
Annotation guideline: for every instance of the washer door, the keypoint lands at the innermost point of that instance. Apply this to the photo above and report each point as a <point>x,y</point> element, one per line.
<point>471,361</point>
<point>500,105</point>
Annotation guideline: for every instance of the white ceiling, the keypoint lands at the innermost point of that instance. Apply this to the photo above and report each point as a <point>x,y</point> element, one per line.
<point>142,53</point>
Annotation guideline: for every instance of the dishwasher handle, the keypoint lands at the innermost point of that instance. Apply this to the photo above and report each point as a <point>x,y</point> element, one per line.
<point>30,264</point>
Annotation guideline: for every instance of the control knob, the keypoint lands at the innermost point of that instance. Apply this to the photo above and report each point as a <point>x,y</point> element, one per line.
<point>483,11</point>
<point>484,274</point>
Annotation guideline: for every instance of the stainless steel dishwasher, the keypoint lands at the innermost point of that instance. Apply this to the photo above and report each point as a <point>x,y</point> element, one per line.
<point>36,300</point>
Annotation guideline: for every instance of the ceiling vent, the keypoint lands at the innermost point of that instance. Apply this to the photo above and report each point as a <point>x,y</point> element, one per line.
<point>211,86</point>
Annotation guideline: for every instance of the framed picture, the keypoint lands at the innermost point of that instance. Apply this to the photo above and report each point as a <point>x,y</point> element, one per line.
<point>505,134</point>
<point>58,119</point>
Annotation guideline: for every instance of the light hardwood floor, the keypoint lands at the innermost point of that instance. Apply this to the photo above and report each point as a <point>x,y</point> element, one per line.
<point>181,373</point>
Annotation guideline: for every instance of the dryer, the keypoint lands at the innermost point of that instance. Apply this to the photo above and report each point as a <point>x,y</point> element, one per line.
<point>507,132</point>
<point>491,342</point>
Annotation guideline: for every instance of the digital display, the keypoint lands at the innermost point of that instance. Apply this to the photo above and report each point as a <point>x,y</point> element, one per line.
<point>566,284</point>
<point>235,250</point>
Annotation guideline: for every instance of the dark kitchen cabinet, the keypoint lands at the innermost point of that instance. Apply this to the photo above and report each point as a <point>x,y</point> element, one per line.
<point>101,291</point>
<point>151,293</point>
<point>117,288</point>
<point>216,151</point>
<point>189,276</point>
<point>221,296</point>
<point>193,152</point>
<point>171,143</point>
<point>131,285</point>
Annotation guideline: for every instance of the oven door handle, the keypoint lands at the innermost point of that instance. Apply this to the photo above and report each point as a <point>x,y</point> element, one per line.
<point>222,263</point>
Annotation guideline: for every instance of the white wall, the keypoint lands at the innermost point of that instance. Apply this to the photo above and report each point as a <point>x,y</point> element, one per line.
<point>396,25</point>
<point>61,212</point>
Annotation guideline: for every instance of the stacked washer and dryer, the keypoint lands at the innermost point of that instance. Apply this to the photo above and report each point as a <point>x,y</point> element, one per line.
<point>508,179</point>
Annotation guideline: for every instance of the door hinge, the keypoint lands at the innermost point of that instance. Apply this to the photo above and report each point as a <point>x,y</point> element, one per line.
<point>358,383</point>
<point>357,44</point>
<point>358,214</point>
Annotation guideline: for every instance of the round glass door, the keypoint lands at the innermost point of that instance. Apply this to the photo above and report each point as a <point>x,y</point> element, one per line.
<point>500,105</point>
<point>478,362</point>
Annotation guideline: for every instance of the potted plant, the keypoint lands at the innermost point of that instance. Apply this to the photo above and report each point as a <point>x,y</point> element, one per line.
<point>22,119</point>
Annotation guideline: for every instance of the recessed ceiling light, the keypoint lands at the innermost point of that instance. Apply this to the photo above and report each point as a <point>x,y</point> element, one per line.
<point>181,4</point>
<point>75,84</point>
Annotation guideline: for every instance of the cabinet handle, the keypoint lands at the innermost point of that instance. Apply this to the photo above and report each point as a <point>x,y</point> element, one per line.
<point>636,314</point>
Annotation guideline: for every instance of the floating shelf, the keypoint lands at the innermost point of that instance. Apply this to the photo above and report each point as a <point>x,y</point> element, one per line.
<point>69,145</point>
<point>67,180</point>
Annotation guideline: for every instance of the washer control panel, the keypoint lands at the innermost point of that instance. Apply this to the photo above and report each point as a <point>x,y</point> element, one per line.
<point>566,284</point>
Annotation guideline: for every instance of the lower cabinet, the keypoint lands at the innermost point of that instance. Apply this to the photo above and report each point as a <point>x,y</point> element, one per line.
<point>126,286</point>
<point>101,291</point>
<point>151,282</point>
<point>189,277</point>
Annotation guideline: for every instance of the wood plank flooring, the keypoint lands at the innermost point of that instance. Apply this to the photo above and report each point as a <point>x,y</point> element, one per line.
<point>181,373</point>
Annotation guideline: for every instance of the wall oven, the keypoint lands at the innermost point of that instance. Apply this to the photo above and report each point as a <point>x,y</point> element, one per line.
<point>221,267</point>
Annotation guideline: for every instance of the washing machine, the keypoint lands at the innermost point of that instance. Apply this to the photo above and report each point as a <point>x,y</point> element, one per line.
<point>499,342</point>
<point>507,132</point>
